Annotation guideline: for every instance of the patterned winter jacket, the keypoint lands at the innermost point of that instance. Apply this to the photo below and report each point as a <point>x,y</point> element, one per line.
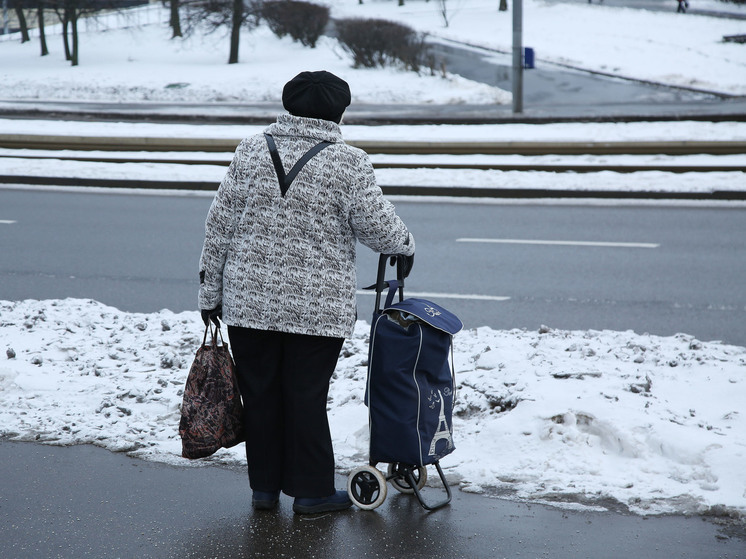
<point>288,263</point>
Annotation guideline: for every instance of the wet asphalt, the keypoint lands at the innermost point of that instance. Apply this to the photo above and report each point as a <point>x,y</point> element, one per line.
<point>83,501</point>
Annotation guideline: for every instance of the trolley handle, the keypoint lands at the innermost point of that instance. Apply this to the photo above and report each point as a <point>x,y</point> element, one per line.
<point>381,283</point>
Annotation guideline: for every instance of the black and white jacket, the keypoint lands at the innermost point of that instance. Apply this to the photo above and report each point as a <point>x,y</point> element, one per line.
<point>288,263</point>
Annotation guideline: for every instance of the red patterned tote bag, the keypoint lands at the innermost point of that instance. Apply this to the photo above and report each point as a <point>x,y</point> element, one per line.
<point>211,411</point>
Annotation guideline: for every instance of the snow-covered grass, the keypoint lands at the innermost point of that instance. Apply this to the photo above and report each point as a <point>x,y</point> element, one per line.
<point>134,59</point>
<point>655,424</point>
<point>143,64</point>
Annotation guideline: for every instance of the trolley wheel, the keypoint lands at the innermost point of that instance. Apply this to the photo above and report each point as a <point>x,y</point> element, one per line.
<point>400,482</point>
<point>366,487</point>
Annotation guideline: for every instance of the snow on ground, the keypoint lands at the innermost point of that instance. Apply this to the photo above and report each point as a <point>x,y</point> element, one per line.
<point>132,58</point>
<point>607,181</point>
<point>658,46</point>
<point>555,132</point>
<point>12,162</point>
<point>655,423</point>
<point>143,64</point>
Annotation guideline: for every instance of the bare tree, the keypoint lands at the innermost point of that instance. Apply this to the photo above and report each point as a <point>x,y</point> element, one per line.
<point>174,20</point>
<point>443,5</point>
<point>17,6</point>
<point>63,14</point>
<point>64,17</point>
<point>42,33</point>
<point>236,21</point>
<point>214,15</point>
<point>69,12</point>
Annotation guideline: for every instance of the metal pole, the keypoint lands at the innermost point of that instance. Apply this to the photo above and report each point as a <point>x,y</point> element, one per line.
<point>5,17</point>
<point>517,56</point>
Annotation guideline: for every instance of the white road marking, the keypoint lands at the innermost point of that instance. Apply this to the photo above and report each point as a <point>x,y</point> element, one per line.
<point>6,221</point>
<point>563,243</point>
<point>429,295</point>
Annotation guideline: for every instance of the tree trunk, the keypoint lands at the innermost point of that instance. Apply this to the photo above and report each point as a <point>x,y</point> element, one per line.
<point>235,30</point>
<point>65,38</point>
<point>42,34</point>
<point>22,22</point>
<point>74,22</point>
<point>444,11</point>
<point>503,5</point>
<point>175,21</point>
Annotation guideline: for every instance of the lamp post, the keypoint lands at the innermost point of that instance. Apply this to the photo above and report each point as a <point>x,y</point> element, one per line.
<point>517,56</point>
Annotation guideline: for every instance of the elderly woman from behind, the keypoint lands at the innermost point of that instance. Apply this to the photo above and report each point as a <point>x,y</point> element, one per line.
<point>278,266</point>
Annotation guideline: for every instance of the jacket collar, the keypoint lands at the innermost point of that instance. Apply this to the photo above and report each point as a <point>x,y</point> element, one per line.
<point>315,128</point>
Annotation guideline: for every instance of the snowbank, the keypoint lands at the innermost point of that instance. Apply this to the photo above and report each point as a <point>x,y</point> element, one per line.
<point>653,423</point>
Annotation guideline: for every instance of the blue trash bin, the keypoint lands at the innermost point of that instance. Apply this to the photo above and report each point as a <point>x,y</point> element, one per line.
<point>528,57</point>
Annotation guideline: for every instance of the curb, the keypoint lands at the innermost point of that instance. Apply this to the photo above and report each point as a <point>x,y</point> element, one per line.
<point>221,145</point>
<point>362,119</point>
<point>397,190</point>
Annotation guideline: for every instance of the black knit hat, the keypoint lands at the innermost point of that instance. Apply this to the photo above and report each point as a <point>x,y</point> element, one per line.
<point>316,95</point>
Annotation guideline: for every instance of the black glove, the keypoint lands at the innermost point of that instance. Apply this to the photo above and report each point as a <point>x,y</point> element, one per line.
<point>212,314</point>
<point>407,262</point>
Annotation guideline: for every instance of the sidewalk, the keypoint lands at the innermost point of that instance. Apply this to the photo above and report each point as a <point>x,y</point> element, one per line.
<point>72,502</point>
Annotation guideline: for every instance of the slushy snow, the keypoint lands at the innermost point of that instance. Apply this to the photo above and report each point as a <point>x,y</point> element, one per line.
<point>598,418</point>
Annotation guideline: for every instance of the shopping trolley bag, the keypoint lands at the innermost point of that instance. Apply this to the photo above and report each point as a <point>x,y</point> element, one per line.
<point>410,387</point>
<point>409,394</point>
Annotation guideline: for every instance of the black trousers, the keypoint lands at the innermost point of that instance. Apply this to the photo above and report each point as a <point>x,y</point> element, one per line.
<point>284,382</point>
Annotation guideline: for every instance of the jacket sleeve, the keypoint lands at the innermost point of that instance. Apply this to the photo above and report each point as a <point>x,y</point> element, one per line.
<point>220,225</point>
<point>373,218</point>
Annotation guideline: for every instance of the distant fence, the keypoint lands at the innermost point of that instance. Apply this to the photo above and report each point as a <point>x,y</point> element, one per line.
<point>123,18</point>
<point>106,4</point>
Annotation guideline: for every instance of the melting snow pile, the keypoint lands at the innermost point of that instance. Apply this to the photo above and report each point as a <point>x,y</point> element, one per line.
<point>654,423</point>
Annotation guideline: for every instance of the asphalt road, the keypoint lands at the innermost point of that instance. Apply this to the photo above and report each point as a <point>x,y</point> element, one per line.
<point>140,253</point>
<point>548,86</point>
<point>691,282</point>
